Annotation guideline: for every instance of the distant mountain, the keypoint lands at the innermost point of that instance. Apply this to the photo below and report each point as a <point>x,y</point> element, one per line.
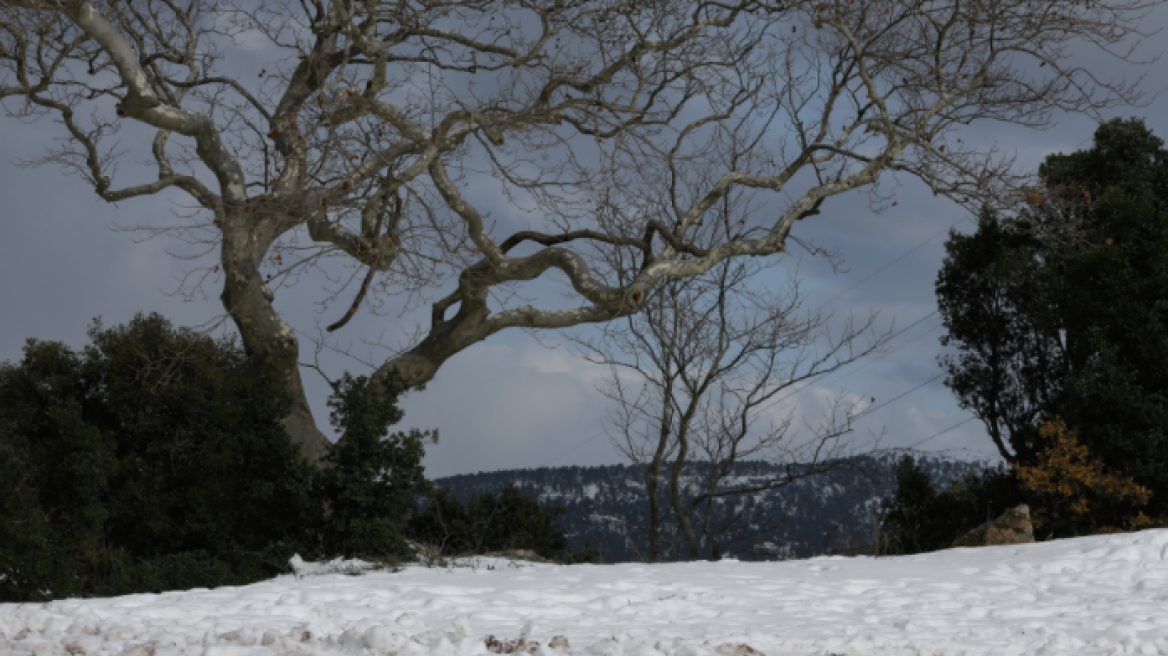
<point>605,505</point>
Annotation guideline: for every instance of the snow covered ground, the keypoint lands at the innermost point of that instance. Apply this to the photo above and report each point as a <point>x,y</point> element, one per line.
<point>1098,595</point>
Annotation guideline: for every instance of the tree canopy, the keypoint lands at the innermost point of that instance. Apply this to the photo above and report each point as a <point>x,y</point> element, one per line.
<point>453,152</point>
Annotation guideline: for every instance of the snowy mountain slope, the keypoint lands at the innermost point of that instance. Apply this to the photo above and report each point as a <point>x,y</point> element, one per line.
<point>605,506</point>
<point>1087,596</point>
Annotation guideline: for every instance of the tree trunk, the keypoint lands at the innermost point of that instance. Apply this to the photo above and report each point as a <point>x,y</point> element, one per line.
<point>713,544</point>
<point>654,517</point>
<point>684,522</point>
<point>269,342</point>
<point>653,476</point>
<point>679,510</point>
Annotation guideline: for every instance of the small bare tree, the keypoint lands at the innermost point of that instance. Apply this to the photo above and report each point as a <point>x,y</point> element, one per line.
<point>364,132</point>
<point>708,356</point>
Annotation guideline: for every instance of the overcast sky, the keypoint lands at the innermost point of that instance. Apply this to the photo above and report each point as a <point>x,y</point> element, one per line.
<point>514,401</point>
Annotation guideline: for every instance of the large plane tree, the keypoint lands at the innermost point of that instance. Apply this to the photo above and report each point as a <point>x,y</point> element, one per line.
<point>385,133</point>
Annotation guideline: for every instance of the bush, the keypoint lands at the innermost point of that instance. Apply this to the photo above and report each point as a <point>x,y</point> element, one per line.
<point>1074,494</point>
<point>144,464</point>
<point>508,521</point>
<point>371,481</point>
<point>918,517</point>
<point>54,471</point>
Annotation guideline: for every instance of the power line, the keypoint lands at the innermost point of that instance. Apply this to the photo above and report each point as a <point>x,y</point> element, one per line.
<point>806,387</point>
<point>898,258</point>
<point>872,361</point>
<point>863,414</point>
<point>576,448</point>
<point>897,397</point>
<point>936,435</point>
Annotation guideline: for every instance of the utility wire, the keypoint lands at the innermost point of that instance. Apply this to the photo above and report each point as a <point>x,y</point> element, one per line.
<point>899,258</point>
<point>897,397</point>
<point>807,384</point>
<point>576,448</point>
<point>872,361</point>
<point>805,387</point>
<point>936,435</point>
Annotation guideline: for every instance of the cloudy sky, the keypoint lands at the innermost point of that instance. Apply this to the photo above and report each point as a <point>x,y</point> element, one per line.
<point>515,401</point>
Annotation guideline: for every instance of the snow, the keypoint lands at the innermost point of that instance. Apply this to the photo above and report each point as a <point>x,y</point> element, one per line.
<point>302,568</point>
<point>1096,595</point>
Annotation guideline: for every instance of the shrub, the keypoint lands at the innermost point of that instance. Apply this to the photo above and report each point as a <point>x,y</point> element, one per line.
<point>1074,493</point>
<point>143,463</point>
<point>918,517</point>
<point>371,481</point>
<point>489,522</point>
<point>206,477</point>
<point>54,470</point>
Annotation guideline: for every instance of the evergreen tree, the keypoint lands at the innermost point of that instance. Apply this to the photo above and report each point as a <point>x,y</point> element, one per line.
<point>208,488</point>
<point>1063,311</point>
<point>445,524</point>
<point>512,520</point>
<point>999,308</point>
<point>907,511</point>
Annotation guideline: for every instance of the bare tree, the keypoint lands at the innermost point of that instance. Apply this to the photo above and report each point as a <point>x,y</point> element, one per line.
<point>708,357</point>
<point>370,121</point>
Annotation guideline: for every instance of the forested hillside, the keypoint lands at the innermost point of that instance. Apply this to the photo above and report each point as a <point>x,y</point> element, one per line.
<point>605,507</point>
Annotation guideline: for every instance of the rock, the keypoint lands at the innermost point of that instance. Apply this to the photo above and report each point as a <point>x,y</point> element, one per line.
<point>1013,527</point>
<point>560,643</point>
<point>87,645</point>
<point>737,649</point>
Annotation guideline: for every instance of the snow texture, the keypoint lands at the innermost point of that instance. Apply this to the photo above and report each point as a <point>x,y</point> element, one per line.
<point>302,568</point>
<point>1087,596</point>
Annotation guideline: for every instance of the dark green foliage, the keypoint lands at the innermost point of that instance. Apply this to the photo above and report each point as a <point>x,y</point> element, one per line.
<point>54,470</point>
<point>144,464</point>
<point>1067,315</point>
<point>205,467</point>
<point>371,481</point>
<point>445,524</point>
<point>514,521</point>
<point>908,522</point>
<point>995,299</point>
<point>489,522</point>
<point>1117,308</point>
<point>918,517</point>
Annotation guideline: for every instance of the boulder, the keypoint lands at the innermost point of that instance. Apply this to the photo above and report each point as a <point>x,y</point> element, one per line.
<point>1013,527</point>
